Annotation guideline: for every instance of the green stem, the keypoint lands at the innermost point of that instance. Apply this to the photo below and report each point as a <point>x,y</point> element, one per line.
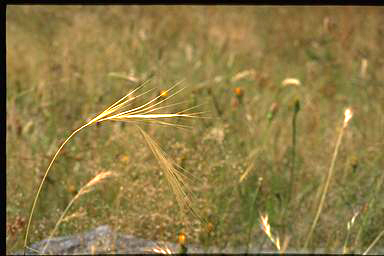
<point>252,217</point>
<point>292,178</point>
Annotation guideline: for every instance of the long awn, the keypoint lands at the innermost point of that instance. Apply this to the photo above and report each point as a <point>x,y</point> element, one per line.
<point>145,112</point>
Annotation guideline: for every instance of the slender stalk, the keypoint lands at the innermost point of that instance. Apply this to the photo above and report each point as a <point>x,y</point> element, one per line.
<point>374,242</point>
<point>348,116</point>
<point>369,205</point>
<point>42,182</point>
<point>252,213</point>
<point>349,227</point>
<point>296,110</point>
<point>215,103</point>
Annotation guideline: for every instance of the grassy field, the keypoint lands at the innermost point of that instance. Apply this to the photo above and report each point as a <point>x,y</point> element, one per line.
<point>265,148</point>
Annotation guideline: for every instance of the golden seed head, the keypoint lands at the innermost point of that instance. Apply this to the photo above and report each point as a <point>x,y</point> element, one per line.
<point>347,116</point>
<point>163,93</point>
<point>265,224</point>
<point>291,82</point>
<point>160,250</point>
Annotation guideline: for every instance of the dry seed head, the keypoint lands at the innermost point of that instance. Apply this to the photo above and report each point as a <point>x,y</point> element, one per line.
<point>265,224</point>
<point>160,250</point>
<point>347,116</point>
<point>363,68</point>
<point>163,93</point>
<point>267,229</point>
<point>291,82</point>
<point>243,74</point>
<point>175,178</point>
<point>97,179</point>
<point>350,223</point>
<point>78,214</point>
<point>277,243</point>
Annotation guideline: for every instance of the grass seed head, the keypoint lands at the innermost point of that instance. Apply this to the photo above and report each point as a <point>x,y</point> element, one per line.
<point>363,68</point>
<point>291,82</point>
<point>163,93</point>
<point>347,116</point>
<point>267,230</point>
<point>97,179</point>
<point>161,250</point>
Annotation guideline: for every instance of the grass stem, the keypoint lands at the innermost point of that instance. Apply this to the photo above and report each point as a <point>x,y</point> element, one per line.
<point>348,116</point>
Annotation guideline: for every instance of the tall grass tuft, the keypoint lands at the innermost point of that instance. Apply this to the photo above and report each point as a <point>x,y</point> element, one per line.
<point>144,113</point>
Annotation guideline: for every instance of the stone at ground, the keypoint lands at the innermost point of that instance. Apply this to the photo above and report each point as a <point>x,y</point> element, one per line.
<point>103,240</point>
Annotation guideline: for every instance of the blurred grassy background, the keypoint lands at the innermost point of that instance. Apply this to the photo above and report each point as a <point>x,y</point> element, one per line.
<point>59,65</point>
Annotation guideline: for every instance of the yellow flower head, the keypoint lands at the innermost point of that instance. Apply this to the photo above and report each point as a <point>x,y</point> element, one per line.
<point>238,91</point>
<point>182,238</point>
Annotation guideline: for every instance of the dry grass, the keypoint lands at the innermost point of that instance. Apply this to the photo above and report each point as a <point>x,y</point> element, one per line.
<point>115,113</point>
<point>65,62</point>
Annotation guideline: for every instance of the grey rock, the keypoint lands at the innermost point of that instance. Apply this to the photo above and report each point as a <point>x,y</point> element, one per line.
<point>103,240</point>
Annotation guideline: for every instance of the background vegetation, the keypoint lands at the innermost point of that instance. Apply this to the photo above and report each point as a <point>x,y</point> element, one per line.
<point>61,62</point>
